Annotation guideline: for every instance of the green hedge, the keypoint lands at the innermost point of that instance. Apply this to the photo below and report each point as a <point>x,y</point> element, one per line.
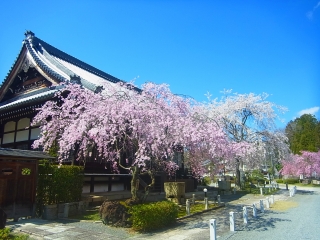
<point>58,184</point>
<point>151,216</point>
<point>288,180</point>
<point>291,180</point>
<point>279,180</point>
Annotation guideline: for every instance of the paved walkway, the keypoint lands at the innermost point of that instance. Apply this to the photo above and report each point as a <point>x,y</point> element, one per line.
<point>195,227</point>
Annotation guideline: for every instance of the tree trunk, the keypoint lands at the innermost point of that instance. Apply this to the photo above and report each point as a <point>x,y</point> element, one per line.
<point>134,183</point>
<point>238,181</point>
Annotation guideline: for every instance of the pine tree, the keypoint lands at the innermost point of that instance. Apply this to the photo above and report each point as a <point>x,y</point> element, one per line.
<point>304,134</point>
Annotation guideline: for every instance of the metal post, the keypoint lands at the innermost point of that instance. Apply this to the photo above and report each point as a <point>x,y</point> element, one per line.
<point>219,199</point>
<point>245,215</point>
<point>193,199</point>
<point>213,229</point>
<point>234,191</point>
<point>188,207</point>
<point>254,210</point>
<point>232,222</point>
<point>206,203</point>
<point>261,206</point>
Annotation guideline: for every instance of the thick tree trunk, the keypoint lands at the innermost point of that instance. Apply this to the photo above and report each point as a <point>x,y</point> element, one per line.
<point>134,183</point>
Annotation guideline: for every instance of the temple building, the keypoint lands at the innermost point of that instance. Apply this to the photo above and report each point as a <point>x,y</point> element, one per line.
<point>33,79</point>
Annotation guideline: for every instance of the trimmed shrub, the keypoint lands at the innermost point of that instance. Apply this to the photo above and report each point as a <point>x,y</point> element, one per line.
<point>291,180</point>
<point>58,184</point>
<point>151,216</point>
<point>279,180</point>
<point>5,233</point>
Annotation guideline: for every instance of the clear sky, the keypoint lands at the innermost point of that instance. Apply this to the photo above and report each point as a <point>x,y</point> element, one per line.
<point>194,46</point>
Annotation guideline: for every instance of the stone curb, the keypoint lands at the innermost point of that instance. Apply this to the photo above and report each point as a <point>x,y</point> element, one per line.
<point>198,213</point>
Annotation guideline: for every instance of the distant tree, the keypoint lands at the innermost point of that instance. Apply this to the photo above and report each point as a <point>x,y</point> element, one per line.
<point>250,118</point>
<point>304,134</point>
<point>305,163</point>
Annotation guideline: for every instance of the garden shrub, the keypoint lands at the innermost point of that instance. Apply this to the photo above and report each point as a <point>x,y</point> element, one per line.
<point>5,233</point>
<point>291,180</point>
<point>279,180</point>
<point>58,184</point>
<point>205,181</point>
<point>151,216</point>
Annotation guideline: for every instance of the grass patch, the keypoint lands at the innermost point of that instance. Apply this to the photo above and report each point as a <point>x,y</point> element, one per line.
<point>89,215</point>
<point>7,234</point>
<point>256,190</point>
<point>305,185</point>
<point>283,205</point>
<point>197,207</point>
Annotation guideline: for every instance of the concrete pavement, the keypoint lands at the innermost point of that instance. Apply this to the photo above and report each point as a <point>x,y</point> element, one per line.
<point>195,227</point>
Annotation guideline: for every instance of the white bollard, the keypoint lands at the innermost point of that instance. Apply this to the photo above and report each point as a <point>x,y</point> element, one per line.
<point>261,206</point>
<point>261,191</point>
<point>193,199</point>
<point>206,203</point>
<point>254,210</point>
<point>290,192</point>
<point>213,229</point>
<point>272,199</point>
<point>267,203</point>
<point>188,207</point>
<point>219,199</point>
<point>232,222</point>
<point>245,215</point>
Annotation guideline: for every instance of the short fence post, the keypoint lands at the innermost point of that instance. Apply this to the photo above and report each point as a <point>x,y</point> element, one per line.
<point>245,215</point>
<point>193,199</point>
<point>254,210</point>
<point>261,206</point>
<point>213,231</point>
<point>219,199</point>
<point>290,193</point>
<point>66,210</point>
<point>267,203</point>
<point>206,203</point>
<point>261,191</point>
<point>272,199</point>
<point>232,222</point>
<point>188,207</point>
<point>234,191</point>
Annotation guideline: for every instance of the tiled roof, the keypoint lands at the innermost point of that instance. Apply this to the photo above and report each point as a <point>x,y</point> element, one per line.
<point>8,152</point>
<point>42,96</point>
<point>57,65</point>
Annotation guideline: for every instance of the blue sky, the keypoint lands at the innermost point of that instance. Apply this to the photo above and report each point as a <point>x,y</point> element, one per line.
<point>194,46</point>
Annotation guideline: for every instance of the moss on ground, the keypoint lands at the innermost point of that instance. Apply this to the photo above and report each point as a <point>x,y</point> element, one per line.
<point>283,205</point>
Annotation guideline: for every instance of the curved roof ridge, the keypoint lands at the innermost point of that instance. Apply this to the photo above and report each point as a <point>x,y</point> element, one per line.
<point>66,57</point>
<point>42,65</point>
